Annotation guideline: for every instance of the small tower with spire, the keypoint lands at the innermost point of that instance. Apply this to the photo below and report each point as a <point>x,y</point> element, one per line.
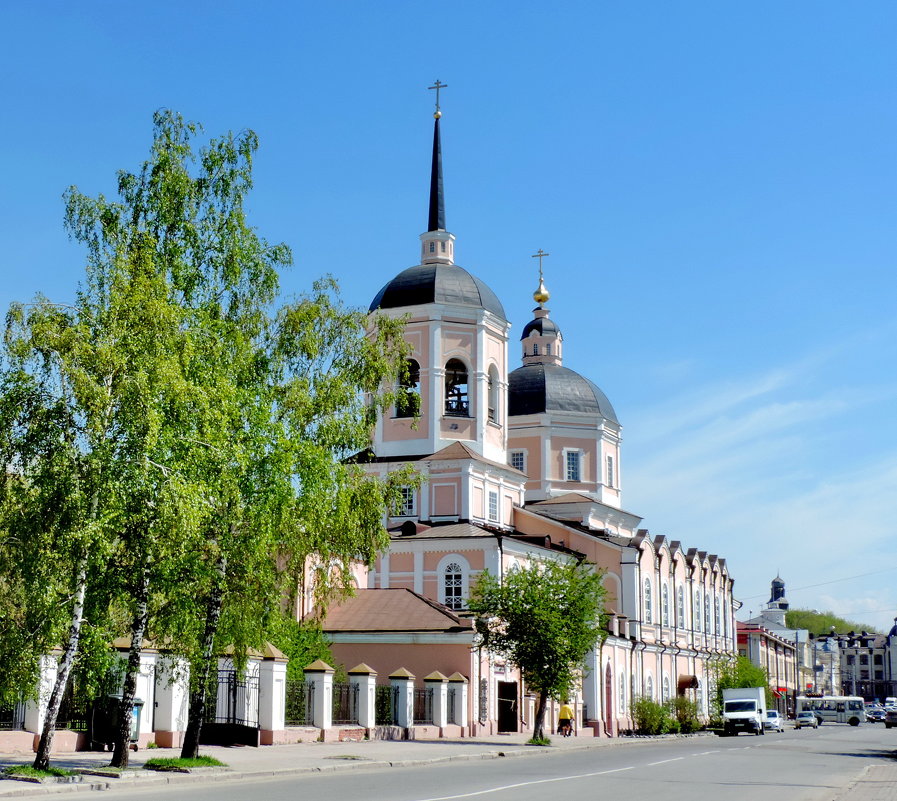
<point>437,244</point>
<point>541,339</point>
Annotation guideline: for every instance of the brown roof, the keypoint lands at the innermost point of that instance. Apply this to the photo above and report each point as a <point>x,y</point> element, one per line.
<point>458,451</point>
<point>445,530</point>
<point>397,609</point>
<point>570,497</point>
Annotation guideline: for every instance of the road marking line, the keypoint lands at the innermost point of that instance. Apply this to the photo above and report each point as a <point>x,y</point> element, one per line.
<point>664,761</point>
<point>702,753</point>
<point>526,784</point>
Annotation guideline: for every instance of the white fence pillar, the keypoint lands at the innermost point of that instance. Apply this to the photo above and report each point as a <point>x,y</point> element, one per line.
<point>438,683</point>
<point>322,675</point>
<point>458,683</point>
<point>365,678</point>
<point>172,693</point>
<point>403,681</point>
<point>36,709</point>
<point>272,694</point>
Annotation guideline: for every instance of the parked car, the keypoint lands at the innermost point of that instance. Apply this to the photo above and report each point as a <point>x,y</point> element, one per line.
<point>806,720</point>
<point>891,717</point>
<point>773,721</point>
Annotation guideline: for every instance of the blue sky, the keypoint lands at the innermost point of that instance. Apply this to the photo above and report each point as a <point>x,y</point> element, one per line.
<point>715,183</point>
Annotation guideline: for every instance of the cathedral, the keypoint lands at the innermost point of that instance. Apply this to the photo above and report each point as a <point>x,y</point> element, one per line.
<point>519,461</point>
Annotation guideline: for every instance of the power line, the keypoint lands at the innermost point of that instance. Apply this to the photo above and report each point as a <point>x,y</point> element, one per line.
<point>823,583</point>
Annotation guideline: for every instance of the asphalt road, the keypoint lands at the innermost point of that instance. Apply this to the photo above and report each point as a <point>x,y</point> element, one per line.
<point>805,765</point>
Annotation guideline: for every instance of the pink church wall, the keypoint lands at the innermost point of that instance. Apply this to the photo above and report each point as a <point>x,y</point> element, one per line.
<point>420,659</point>
<point>446,497</point>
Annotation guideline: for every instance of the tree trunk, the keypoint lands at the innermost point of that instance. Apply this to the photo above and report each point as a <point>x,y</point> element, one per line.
<point>539,723</point>
<point>64,669</point>
<point>126,708</point>
<point>190,748</point>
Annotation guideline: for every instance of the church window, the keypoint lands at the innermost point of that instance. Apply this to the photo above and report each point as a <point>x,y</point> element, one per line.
<point>406,507</point>
<point>716,621</point>
<point>666,689</point>
<point>536,349</point>
<point>432,247</point>
<point>457,403</point>
<point>493,506</point>
<point>665,608</point>
<point>707,613</point>
<point>408,396</point>
<point>649,688</point>
<point>453,578</point>
<point>548,349</point>
<point>622,694</point>
<point>648,609</point>
<point>443,246</point>
<point>518,461</point>
<point>493,394</point>
<point>573,465</point>
<point>680,609</point>
<point>697,612</point>
<point>725,618</point>
<point>610,471</point>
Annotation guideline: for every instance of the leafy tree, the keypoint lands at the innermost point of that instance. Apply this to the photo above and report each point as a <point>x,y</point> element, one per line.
<point>741,672</point>
<point>544,618</point>
<point>820,623</point>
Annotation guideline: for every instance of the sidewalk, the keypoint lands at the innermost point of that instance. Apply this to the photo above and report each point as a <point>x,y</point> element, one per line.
<point>287,760</point>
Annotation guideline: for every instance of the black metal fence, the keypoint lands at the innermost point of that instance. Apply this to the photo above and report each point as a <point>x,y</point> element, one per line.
<point>12,717</point>
<point>452,714</point>
<point>74,711</point>
<point>300,703</point>
<point>423,705</point>
<point>386,705</point>
<point>345,704</point>
<point>234,699</point>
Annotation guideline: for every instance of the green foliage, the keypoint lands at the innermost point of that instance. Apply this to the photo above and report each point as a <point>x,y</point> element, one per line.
<point>649,716</point>
<point>544,617</point>
<point>303,642</point>
<point>539,741</point>
<point>820,623</point>
<point>179,763</point>
<point>684,712</point>
<point>729,674</point>
<point>28,771</point>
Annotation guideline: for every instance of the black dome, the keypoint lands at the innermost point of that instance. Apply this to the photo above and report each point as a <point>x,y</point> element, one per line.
<point>542,325</point>
<point>437,283</point>
<point>536,388</point>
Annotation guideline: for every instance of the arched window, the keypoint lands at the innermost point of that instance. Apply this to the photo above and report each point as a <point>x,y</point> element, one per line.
<point>665,605</point>
<point>408,396</point>
<point>648,610</point>
<point>493,394</point>
<point>699,697</point>
<point>725,618</point>
<point>649,688</point>
<point>680,608</point>
<point>535,349</point>
<point>707,613</point>
<point>697,613</point>
<point>622,694</point>
<point>716,626</point>
<point>453,579</point>
<point>456,399</point>
<point>666,689</point>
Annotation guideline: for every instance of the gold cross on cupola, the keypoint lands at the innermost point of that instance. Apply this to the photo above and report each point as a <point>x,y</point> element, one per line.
<point>437,86</point>
<point>541,295</point>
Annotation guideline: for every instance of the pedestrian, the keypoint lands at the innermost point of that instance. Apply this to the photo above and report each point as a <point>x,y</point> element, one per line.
<point>565,719</point>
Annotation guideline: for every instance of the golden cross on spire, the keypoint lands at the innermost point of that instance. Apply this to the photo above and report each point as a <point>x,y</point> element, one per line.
<point>541,294</point>
<point>437,86</point>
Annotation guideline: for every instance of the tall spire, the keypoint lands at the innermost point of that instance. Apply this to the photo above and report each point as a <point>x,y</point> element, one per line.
<point>437,198</point>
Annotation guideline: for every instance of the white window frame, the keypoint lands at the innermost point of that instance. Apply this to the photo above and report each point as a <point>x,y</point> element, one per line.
<point>568,452</point>
<point>609,466</point>
<point>492,508</point>
<point>696,621</point>
<point>649,611</point>
<point>680,607</point>
<point>448,559</point>
<point>665,605</point>
<point>408,507</point>
<point>522,455</point>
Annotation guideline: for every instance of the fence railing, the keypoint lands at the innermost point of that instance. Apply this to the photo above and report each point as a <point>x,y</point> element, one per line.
<point>423,705</point>
<point>12,717</point>
<point>74,711</point>
<point>300,703</point>
<point>452,716</point>
<point>345,704</point>
<point>386,705</point>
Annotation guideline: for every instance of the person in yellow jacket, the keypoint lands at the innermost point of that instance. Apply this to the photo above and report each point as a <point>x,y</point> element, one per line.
<point>565,720</point>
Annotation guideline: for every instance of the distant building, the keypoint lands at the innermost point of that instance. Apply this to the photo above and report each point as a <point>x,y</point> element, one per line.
<point>869,664</point>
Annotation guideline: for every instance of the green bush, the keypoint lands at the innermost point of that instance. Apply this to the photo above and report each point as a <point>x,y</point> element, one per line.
<point>649,716</point>
<point>685,712</point>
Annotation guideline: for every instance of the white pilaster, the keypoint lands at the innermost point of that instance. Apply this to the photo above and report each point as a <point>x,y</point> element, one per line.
<point>36,709</point>
<point>172,693</point>
<point>458,683</point>
<point>438,683</point>
<point>272,694</point>
<point>403,681</point>
<point>322,675</point>
<point>365,678</point>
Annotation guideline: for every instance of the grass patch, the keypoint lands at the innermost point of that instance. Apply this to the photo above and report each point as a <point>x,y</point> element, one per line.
<point>34,773</point>
<point>176,763</point>
<point>539,741</point>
